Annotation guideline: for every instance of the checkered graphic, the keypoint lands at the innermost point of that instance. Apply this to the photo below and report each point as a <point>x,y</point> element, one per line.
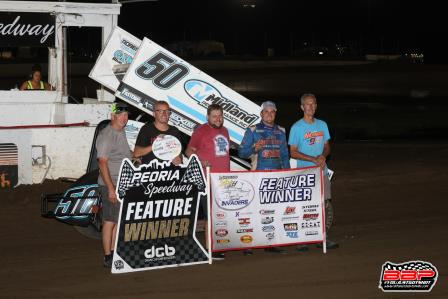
<point>125,178</point>
<point>193,174</point>
<point>187,251</point>
<point>415,265</point>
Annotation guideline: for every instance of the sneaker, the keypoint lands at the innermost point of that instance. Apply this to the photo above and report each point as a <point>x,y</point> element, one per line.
<point>330,245</point>
<point>247,252</point>
<point>302,248</point>
<point>107,262</point>
<point>275,250</point>
<point>218,256</point>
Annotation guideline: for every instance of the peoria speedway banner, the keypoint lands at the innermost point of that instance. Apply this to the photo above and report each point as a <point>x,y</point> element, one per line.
<point>157,74</point>
<point>157,222</point>
<point>261,209</point>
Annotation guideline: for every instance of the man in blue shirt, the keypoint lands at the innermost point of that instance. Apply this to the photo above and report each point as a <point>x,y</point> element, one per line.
<point>309,146</point>
<point>265,144</point>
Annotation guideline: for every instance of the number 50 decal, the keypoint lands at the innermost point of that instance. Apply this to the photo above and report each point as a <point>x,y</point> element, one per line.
<point>161,70</point>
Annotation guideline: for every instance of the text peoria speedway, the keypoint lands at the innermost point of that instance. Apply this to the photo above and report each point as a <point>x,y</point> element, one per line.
<point>173,213</point>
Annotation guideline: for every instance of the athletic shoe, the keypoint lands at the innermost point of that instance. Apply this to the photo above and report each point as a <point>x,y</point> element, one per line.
<point>218,256</point>
<point>247,252</point>
<point>276,250</point>
<point>302,248</point>
<point>330,245</point>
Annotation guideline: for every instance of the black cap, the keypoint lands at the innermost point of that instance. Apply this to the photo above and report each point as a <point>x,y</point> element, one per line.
<point>119,107</point>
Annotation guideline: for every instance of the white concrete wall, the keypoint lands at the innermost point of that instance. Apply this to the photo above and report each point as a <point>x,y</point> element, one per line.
<point>68,150</point>
<point>24,114</point>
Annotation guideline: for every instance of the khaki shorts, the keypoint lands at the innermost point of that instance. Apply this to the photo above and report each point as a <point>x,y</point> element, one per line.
<point>110,211</point>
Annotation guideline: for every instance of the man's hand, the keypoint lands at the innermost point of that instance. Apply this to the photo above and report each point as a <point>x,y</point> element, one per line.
<point>177,160</point>
<point>259,145</point>
<point>320,161</point>
<point>205,163</point>
<point>112,196</point>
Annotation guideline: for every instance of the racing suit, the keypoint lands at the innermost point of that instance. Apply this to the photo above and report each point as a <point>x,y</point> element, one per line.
<point>274,152</point>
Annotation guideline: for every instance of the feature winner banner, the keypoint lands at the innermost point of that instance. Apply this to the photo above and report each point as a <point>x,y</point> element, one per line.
<point>157,222</point>
<point>261,209</point>
<point>157,74</point>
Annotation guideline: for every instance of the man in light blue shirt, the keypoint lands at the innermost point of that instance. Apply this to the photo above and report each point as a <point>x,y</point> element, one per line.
<point>309,145</point>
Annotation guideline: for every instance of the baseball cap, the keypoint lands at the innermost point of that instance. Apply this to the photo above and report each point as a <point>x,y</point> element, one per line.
<point>268,104</point>
<point>119,107</point>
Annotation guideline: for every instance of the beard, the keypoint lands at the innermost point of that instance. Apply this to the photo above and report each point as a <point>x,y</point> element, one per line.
<point>215,126</point>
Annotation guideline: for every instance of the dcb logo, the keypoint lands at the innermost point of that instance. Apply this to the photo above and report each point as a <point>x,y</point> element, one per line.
<point>159,251</point>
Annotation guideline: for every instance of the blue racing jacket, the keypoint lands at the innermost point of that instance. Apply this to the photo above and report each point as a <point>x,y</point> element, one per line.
<point>274,153</point>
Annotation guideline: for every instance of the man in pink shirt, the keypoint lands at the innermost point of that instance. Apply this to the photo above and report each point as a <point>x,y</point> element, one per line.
<point>211,143</point>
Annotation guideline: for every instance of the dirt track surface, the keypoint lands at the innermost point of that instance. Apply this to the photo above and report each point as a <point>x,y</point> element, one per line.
<point>391,205</point>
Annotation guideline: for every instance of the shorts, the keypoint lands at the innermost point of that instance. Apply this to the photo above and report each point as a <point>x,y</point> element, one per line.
<point>327,187</point>
<point>203,205</point>
<point>110,211</point>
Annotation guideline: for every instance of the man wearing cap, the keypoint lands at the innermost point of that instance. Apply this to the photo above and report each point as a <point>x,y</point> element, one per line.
<point>265,144</point>
<point>309,146</point>
<point>112,147</point>
<point>160,127</point>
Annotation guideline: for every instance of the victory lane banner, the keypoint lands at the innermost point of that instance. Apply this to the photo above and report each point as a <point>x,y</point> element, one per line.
<point>157,221</point>
<point>156,73</point>
<point>256,209</point>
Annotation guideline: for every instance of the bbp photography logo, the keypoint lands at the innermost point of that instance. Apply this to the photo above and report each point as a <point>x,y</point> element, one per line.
<point>412,276</point>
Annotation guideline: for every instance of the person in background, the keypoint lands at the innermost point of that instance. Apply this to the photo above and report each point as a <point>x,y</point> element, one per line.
<point>35,82</point>
<point>309,145</point>
<point>265,144</point>
<point>112,148</point>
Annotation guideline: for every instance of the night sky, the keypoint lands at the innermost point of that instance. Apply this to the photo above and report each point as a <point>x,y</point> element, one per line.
<point>368,26</point>
<point>372,26</point>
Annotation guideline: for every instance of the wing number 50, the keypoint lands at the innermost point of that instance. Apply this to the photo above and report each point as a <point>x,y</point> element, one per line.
<point>162,70</point>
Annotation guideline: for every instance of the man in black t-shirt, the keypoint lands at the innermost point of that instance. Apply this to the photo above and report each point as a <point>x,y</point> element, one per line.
<point>159,128</point>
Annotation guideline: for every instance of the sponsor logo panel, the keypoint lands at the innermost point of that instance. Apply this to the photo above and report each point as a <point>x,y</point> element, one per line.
<point>246,239</point>
<point>221,232</point>
<point>268,228</point>
<point>206,94</point>
<point>412,276</point>
<point>293,235</point>
<point>290,226</point>
<point>267,212</point>
<point>223,241</point>
<point>267,220</point>
<point>312,216</point>
<point>244,230</point>
<point>234,194</point>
